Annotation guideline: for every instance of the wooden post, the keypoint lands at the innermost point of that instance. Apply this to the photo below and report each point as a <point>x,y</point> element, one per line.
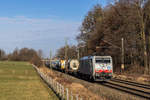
<point>71,96</point>
<point>77,97</point>
<point>57,87</point>
<point>67,93</point>
<point>63,92</point>
<point>60,90</point>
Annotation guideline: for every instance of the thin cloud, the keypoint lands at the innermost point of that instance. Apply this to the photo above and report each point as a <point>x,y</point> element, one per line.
<point>22,31</point>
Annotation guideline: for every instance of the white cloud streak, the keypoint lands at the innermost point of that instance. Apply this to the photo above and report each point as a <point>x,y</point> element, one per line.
<point>35,33</point>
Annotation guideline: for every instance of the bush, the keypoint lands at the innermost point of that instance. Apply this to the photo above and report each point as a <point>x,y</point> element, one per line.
<point>36,60</point>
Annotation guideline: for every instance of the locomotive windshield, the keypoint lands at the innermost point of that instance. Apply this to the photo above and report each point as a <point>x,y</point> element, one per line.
<point>102,61</point>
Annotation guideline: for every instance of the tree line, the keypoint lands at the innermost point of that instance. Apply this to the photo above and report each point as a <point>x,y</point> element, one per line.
<point>105,30</point>
<point>70,50</point>
<point>24,54</point>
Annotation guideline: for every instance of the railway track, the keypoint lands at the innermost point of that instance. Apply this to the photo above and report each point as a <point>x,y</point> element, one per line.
<point>146,86</point>
<point>133,88</point>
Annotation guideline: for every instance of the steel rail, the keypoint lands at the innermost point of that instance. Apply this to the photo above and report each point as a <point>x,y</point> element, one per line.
<point>146,86</point>
<point>129,90</point>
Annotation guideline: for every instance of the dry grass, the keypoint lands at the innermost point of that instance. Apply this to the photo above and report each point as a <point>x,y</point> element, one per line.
<point>134,73</point>
<point>88,90</point>
<point>145,79</point>
<point>75,87</point>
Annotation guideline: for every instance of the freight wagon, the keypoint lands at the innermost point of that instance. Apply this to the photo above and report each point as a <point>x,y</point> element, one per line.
<point>73,66</point>
<point>62,65</point>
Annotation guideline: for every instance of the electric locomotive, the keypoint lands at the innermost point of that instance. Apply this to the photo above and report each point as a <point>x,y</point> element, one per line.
<point>97,68</point>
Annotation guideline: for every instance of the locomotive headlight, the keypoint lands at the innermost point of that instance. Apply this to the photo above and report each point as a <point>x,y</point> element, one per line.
<point>96,70</point>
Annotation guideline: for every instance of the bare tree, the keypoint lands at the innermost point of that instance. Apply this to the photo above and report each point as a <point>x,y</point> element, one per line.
<point>71,52</point>
<point>40,53</point>
<point>2,54</point>
<point>129,19</point>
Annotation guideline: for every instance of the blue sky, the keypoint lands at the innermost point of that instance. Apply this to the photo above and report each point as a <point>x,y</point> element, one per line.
<point>41,24</point>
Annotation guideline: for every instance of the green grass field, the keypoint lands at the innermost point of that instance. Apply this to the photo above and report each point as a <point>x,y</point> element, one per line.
<point>19,81</point>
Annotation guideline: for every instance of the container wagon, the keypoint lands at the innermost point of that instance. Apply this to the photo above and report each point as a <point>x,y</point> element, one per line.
<point>73,66</point>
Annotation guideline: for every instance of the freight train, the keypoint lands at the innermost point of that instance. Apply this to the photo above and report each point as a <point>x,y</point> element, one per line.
<point>96,68</point>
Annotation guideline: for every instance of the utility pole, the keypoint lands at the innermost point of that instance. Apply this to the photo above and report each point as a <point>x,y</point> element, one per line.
<point>149,53</point>
<point>50,59</point>
<point>86,50</point>
<point>122,54</point>
<point>78,56</point>
<point>43,62</point>
<point>66,56</point>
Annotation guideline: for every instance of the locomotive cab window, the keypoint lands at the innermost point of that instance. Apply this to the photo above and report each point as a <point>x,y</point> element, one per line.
<point>102,61</point>
<point>107,61</point>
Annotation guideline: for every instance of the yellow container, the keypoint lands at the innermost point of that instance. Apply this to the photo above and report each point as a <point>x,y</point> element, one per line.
<point>62,64</point>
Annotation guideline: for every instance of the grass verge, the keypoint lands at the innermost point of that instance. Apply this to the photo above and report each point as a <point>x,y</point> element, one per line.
<point>19,81</point>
